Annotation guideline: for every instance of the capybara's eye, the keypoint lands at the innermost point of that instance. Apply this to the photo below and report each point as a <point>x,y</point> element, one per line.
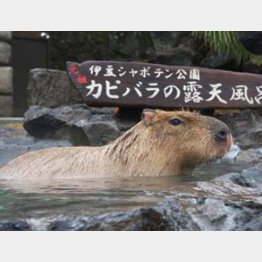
<point>175,122</point>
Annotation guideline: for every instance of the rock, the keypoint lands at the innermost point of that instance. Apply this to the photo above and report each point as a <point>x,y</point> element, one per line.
<point>248,182</point>
<point>78,124</point>
<point>180,56</point>
<point>15,141</point>
<point>252,40</point>
<point>144,219</point>
<point>100,132</point>
<point>6,103</point>
<point>240,122</point>
<point>214,214</point>
<point>125,124</point>
<point>100,110</point>
<point>164,42</point>
<point>157,47</point>
<point>173,48</point>
<point>237,179</point>
<point>246,127</point>
<point>254,176</point>
<point>233,153</point>
<point>14,226</point>
<point>215,60</point>
<point>5,53</point>
<point>251,67</point>
<point>167,216</point>
<point>249,218</point>
<point>249,157</point>
<point>6,80</point>
<point>243,181</point>
<point>230,202</point>
<point>5,36</point>
<point>51,88</point>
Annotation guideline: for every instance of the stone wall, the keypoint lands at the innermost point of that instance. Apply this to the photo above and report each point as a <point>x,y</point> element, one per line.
<point>169,48</point>
<point>6,74</point>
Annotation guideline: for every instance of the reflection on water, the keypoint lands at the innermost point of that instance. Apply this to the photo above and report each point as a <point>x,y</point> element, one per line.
<point>24,199</point>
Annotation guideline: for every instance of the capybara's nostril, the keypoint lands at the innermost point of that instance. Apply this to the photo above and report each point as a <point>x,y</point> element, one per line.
<point>221,135</point>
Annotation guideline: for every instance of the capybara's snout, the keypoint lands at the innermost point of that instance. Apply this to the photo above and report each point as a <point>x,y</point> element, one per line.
<point>220,133</point>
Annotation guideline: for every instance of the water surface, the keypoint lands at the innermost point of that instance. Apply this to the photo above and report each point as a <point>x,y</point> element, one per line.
<point>36,199</point>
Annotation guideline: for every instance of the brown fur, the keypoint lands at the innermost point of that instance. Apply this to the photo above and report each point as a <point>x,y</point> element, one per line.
<point>153,147</point>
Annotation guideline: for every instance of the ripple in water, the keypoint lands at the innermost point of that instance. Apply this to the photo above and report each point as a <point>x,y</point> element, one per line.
<point>36,199</point>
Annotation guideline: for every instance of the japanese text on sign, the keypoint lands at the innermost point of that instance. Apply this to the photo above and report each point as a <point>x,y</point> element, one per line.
<point>150,83</point>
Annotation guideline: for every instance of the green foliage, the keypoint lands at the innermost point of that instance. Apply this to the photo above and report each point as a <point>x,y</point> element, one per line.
<point>225,42</point>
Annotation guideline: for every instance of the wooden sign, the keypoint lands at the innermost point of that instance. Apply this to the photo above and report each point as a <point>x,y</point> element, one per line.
<point>109,83</point>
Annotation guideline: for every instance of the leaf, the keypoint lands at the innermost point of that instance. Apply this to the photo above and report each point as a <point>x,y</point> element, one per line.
<point>225,42</point>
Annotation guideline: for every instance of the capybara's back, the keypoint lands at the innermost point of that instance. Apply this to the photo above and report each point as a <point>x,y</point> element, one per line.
<point>162,144</point>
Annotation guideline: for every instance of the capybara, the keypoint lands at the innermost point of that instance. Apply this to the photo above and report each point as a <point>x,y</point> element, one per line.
<point>162,144</point>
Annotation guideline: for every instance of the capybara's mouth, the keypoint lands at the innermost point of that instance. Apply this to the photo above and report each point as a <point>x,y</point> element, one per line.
<point>229,142</point>
<point>225,148</point>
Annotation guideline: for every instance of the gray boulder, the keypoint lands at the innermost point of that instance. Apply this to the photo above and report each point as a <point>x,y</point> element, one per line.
<point>214,60</point>
<point>100,132</point>
<point>51,88</point>
<point>16,141</point>
<point>230,202</point>
<point>5,53</point>
<point>6,80</point>
<point>5,36</point>
<point>167,216</point>
<point>246,127</point>
<point>252,40</point>
<point>6,103</point>
<point>78,124</point>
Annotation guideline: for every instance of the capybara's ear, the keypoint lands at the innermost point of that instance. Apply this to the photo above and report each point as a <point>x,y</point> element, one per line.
<point>148,116</point>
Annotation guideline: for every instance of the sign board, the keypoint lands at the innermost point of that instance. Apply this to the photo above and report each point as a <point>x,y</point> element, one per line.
<point>110,83</point>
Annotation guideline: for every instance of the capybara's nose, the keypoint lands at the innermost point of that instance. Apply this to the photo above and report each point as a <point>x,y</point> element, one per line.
<point>221,135</point>
<point>220,131</point>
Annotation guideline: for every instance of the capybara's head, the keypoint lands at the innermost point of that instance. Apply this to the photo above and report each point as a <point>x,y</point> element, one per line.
<point>189,137</point>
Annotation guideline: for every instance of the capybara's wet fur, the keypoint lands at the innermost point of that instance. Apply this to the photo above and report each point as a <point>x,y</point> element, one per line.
<point>162,144</point>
